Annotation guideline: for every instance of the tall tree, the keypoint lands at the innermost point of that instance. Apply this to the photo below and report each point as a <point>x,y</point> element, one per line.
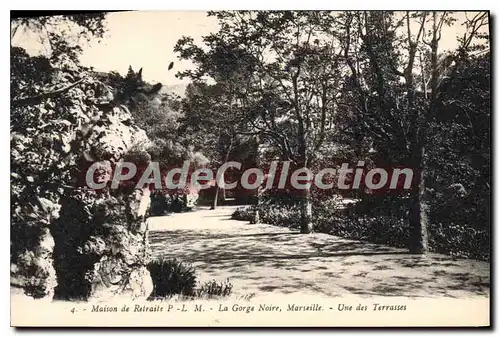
<point>290,78</point>
<point>391,112</point>
<point>395,101</point>
<point>211,123</point>
<point>215,111</point>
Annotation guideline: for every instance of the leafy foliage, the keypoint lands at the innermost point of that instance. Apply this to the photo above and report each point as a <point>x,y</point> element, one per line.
<point>243,213</point>
<point>397,102</point>
<point>374,220</point>
<point>213,289</point>
<point>171,277</point>
<point>164,203</point>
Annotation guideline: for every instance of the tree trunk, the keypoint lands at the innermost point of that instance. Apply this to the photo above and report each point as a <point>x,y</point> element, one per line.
<point>306,212</point>
<point>305,195</point>
<point>418,240</point>
<point>256,216</point>
<point>217,188</point>
<point>216,197</point>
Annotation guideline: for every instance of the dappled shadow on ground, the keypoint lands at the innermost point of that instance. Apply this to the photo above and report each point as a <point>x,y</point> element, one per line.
<point>262,258</point>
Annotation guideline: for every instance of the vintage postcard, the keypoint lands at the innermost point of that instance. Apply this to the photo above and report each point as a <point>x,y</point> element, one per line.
<point>250,169</point>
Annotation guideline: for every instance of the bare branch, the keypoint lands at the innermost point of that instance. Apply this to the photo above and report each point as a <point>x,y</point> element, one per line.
<point>476,23</point>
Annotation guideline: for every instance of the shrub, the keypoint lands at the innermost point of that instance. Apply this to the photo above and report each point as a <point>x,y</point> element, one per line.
<point>162,204</point>
<point>212,289</point>
<point>459,240</point>
<point>381,220</point>
<point>159,204</point>
<point>280,215</point>
<point>382,229</point>
<point>171,277</point>
<point>243,213</point>
<point>272,214</point>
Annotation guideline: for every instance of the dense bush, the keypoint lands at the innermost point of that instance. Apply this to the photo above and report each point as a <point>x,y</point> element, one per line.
<point>460,240</point>
<point>244,213</point>
<point>162,203</point>
<point>273,214</point>
<point>456,224</point>
<point>173,277</point>
<point>378,220</point>
<point>382,229</point>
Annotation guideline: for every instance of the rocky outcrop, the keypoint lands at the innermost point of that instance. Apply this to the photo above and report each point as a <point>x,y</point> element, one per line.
<point>68,240</point>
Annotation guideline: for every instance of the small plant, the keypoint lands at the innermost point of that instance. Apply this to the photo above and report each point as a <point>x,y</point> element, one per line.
<point>174,278</point>
<point>243,213</point>
<point>171,277</point>
<point>280,215</point>
<point>212,289</point>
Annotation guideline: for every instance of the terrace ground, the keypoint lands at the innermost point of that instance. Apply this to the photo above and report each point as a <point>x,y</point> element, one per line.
<point>260,259</point>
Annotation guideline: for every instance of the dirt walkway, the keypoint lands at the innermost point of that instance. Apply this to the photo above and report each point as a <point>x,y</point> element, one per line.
<point>267,259</point>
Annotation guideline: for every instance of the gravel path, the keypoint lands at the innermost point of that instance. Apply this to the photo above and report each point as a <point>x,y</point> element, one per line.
<point>263,259</point>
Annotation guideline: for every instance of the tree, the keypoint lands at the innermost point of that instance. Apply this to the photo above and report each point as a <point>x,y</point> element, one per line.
<point>459,162</point>
<point>211,124</point>
<point>290,78</point>
<point>214,113</point>
<point>393,114</point>
<point>365,85</point>
<point>396,102</point>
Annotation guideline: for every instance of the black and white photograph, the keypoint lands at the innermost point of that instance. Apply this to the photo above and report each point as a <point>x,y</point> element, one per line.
<point>250,168</point>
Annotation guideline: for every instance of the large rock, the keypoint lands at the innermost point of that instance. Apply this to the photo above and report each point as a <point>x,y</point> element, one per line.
<point>105,246</point>
<point>98,245</point>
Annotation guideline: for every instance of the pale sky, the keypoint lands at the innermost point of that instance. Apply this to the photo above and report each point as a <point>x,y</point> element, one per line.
<point>141,39</point>
<point>146,39</point>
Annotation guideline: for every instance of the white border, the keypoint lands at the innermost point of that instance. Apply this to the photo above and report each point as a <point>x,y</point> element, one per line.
<point>199,5</point>
<point>256,4</point>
